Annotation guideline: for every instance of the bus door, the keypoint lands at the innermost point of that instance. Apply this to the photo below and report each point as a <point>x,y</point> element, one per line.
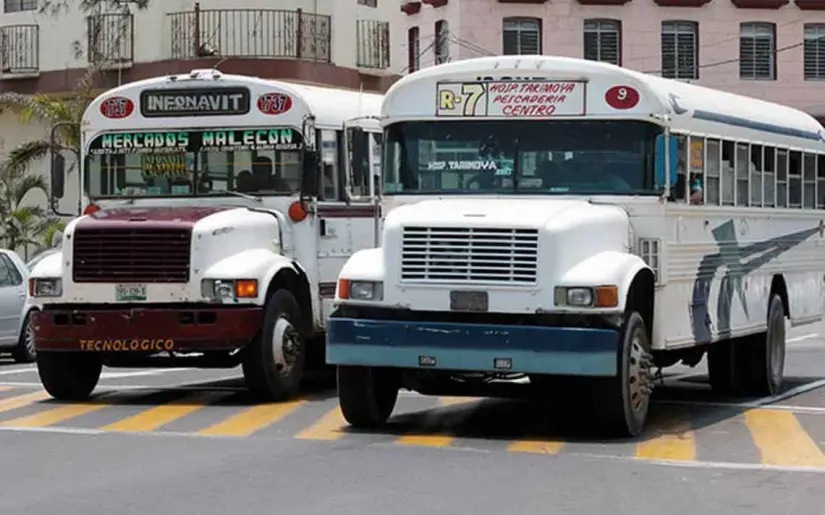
<point>346,209</point>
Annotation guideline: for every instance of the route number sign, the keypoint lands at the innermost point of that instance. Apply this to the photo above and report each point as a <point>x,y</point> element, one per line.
<point>511,99</point>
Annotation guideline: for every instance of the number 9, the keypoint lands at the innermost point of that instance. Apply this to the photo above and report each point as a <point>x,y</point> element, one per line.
<point>622,93</point>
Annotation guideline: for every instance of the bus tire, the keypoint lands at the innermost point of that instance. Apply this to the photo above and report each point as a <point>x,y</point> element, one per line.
<point>366,395</point>
<point>69,376</point>
<point>765,354</point>
<point>622,401</point>
<point>273,363</point>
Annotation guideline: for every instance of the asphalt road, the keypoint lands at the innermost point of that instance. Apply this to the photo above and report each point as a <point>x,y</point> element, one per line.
<point>192,442</point>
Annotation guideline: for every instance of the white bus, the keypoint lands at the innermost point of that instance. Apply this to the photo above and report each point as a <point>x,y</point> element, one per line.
<point>580,224</point>
<point>219,210</point>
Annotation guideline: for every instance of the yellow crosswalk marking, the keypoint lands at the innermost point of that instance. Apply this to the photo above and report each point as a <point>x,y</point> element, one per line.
<point>252,419</point>
<point>20,401</point>
<point>672,440</point>
<point>433,421</point>
<point>781,440</point>
<point>54,415</point>
<point>151,419</point>
<point>330,427</point>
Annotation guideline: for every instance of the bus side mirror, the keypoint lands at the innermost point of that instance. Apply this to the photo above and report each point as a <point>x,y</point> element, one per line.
<point>672,147</point>
<point>57,184</point>
<point>360,153</point>
<point>310,174</point>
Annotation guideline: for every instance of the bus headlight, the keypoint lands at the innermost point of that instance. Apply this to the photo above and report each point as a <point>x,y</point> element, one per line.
<point>45,287</point>
<point>584,297</point>
<point>360,290</point>
<point>223,290</point>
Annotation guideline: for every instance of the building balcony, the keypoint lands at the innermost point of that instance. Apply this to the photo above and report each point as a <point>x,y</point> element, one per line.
<point>373,44</point>
<point>811,5</point>
<point>410,6</point>
<point>19,51</point>
<point>262,33</point>
<point>436,3</point>
<point>111,41</point>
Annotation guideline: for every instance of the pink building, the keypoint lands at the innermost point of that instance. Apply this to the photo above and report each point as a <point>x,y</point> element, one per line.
<point>770,49</point>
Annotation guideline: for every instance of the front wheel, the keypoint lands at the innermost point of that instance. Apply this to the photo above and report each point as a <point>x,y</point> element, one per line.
<point>24,351</point>
<point>69,376</point>
<point>367,395</point>
<point>623,401</point>
<point>273,363</point>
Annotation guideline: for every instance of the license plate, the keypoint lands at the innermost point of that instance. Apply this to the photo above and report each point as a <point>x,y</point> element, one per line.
<point>469,301</point>
<point>130,292</point>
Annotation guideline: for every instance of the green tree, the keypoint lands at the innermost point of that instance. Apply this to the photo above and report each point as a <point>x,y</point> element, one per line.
<point>25,225</point>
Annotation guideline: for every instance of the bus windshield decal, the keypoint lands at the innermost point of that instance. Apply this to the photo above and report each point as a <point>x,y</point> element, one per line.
<point>513,99</point>
<point>160,103</point>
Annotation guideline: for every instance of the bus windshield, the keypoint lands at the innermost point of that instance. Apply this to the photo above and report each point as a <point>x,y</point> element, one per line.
<point>194,163</point>
<point>520,157</point>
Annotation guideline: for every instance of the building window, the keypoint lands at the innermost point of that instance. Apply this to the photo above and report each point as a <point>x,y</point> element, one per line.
<point>413,50</point>
<point>757,51</point>
<point>521,36</point>
<point>15,6</point>
<point>603,41</point>
<point>680,49</point>
<point>814,51</point>
<point>442,42</point>
<point>369,3</point>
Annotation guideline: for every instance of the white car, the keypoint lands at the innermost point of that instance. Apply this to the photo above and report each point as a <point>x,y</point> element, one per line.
<point>15,305</point>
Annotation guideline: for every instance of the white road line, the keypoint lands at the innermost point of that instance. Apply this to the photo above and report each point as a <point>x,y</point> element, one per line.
<point>18,371</point>
<point>153,372</point>
<point>802,338</point>
<point>703,464</point>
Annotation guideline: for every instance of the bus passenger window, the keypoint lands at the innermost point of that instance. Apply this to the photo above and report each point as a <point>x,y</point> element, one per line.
<point>743,168</point>
<point>781,177</point>
<point>757,163</point>
<point>795,179</point>
<point>727,173</point>
<point>820,181</point>
<point>713,171</point>
<point>679,190</point>
<point>769,177</point>
<point>809,181</point>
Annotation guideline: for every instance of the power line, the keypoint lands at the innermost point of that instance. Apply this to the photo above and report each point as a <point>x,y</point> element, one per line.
<point>715,43</point>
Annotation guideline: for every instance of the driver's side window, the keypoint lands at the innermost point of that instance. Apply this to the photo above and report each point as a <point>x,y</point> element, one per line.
<point>9,276</point>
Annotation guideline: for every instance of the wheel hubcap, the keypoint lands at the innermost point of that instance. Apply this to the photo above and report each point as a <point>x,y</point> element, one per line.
<point>29,337</point>
<point>775,350</point>
<point>286,345</point>
<point>640,381</point>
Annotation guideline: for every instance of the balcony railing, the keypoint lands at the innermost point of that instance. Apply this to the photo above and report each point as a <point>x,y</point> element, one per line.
<point>273,33</point>
<point>373,40</point>
<point>111,42</point>
<point>20,49</point>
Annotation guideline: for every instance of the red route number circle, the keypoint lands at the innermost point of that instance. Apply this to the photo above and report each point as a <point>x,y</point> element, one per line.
<point>622,97</point>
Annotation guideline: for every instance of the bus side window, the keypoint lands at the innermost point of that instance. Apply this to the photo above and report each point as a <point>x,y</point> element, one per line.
<point>769,176</point>
<point>359,171</point>
<point>781,177</point>
<point>757,165</point>
<point>679,191</point>
<point>713,171</point>
<point>728,179</point>
<point>795,179</point>
<point>743,166</point>
<point>329,164</point>
<point>820,181</point>
<point>809,181</point>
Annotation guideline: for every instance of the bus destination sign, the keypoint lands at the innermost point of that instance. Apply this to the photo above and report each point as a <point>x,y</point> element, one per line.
<point>175,103</point>
<point>172,142</point>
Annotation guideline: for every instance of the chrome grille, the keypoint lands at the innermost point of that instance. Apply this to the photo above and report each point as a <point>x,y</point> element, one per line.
<point>460,254</point>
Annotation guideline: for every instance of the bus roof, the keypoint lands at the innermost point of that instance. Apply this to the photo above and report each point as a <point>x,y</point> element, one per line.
<point>120,108</point>
<point>690,106</point>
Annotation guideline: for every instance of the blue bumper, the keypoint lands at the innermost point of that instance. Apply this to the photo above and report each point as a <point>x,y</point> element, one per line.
<point>471,347</point>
